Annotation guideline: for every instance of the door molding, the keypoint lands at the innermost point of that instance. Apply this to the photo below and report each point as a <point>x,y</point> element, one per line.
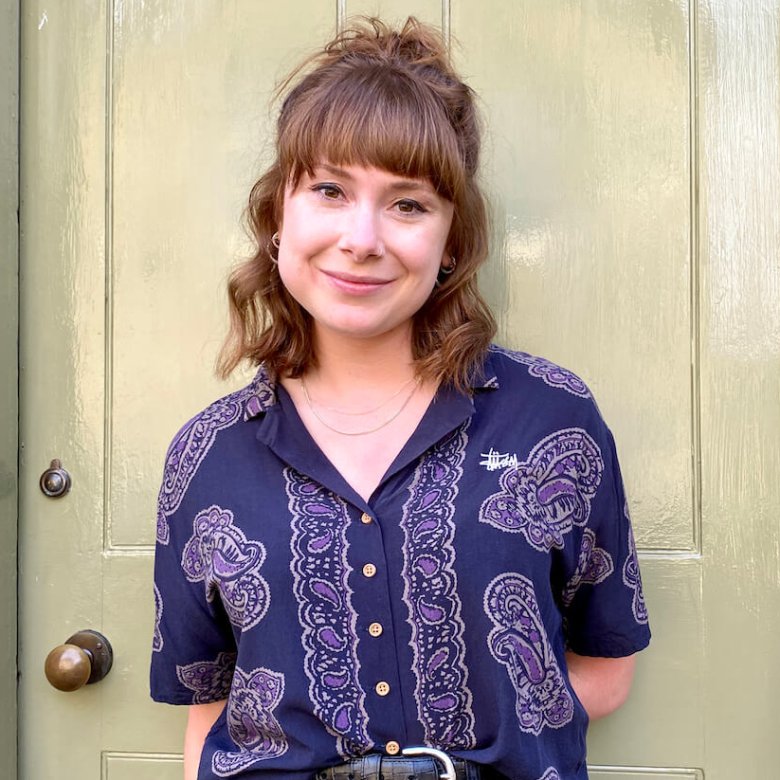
<point>9,361</point>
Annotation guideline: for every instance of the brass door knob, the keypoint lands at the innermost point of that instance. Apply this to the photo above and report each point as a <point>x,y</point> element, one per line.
<point>83,659</point>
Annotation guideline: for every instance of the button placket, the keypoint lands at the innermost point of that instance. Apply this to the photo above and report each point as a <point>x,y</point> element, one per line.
<point>373,597</point>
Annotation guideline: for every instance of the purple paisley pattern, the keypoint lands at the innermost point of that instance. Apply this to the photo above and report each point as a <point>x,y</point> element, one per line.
<point>444,701</point>
<point>632,579</point>
<point>195,439</point>
<point>594,565</point>
<point>545,496</point>
<point>219,555</point>
<point>208,680</point>
<point>519,642</point>
<point>550,373</point>
<point>157,639</point>
<point>328,620</point>
<point>251,721</point>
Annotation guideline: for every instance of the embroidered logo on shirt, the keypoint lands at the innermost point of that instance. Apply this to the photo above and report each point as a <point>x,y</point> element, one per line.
<point>545,496</point>
<point>444,701</point>
<point>320,583</point>
<point>251,722</point>
<point>551,773</point>
<point>520,643</point>
<point>219,554</point>
<point>493,460</point>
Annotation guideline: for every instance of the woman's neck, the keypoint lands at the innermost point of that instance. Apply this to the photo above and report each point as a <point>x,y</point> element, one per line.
<point>362,365</point>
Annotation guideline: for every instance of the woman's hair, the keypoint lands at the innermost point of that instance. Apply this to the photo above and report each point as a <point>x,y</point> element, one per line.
<point>388,99</point>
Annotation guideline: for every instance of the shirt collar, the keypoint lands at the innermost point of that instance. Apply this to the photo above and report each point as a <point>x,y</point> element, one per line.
<point>485,377</point>
<point>261,394</point>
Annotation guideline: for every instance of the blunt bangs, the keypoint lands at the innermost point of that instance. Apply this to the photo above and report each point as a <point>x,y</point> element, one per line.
<point>372,118</point>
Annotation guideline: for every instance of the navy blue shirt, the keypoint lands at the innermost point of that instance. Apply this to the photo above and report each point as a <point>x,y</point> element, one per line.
<point>437,613</point>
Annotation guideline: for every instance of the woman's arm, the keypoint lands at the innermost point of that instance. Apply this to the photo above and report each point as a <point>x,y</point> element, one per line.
<point>601,684</point>
<point>200,719</point>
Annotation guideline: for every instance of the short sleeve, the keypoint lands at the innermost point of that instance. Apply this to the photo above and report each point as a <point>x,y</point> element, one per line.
<point>193,648</point>
<point>602,599</point>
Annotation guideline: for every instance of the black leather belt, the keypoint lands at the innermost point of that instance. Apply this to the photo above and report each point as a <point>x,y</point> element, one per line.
<point>415,764</point>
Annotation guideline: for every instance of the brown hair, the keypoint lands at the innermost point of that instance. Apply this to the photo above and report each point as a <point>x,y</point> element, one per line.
<point>391,100</point>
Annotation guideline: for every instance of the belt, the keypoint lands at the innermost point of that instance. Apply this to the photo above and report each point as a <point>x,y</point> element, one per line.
<point>416,763</point>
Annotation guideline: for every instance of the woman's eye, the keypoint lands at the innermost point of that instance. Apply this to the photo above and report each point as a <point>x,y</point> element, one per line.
<point>328,191</point>
<point>407,206</point>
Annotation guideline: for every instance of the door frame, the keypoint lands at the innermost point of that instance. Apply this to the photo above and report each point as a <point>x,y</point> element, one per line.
<point>9,376</point>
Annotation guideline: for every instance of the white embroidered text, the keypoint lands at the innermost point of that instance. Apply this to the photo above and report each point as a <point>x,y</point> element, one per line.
<point>493,460</point>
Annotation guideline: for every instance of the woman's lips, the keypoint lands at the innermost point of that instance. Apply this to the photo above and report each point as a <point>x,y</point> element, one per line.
<point>354,284</point>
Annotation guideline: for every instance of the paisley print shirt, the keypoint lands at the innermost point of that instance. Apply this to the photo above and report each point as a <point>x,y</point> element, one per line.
<point>437,613</point>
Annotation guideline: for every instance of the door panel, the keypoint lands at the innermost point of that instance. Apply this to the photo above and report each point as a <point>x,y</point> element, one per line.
<point>588,156</point>
<point>188,136</point>
<point>618,251</point>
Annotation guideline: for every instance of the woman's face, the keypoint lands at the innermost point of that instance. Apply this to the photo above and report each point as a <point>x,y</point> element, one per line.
<point>361,249</point>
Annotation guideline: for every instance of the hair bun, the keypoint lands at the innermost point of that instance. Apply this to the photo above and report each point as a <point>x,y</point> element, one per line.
<point>414,43</point>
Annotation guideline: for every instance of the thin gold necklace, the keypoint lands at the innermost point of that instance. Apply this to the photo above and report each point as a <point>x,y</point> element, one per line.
<point>358,433</point>
<point>368,411</point>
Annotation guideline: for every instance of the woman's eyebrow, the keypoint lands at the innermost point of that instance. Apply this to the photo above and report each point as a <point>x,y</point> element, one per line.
<point>412,184</point>
<point>397,184</point>
<point>333,169</point>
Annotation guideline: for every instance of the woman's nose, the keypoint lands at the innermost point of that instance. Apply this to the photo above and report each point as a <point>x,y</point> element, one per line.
<point>361,234</point>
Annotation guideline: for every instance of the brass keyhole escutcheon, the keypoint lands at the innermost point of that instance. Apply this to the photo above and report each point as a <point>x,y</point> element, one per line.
<point>55,481</point>
<point>84,659</point>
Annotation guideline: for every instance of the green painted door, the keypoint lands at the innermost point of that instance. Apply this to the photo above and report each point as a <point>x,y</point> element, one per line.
<point>632,157</point>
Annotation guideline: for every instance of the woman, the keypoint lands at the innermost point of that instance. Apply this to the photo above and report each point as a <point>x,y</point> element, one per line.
<point>398,540</point>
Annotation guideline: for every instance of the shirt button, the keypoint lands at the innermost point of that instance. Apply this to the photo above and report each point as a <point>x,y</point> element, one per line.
<point>392,748</point>
<point>375,629</point>
<point>366,518</point>
<point>369,570</point>
<point>382,688</point>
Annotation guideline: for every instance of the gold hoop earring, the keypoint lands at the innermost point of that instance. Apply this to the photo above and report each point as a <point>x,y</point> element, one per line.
<point>275,242</point>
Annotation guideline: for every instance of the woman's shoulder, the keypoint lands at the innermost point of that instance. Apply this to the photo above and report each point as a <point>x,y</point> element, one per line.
<point>554,396</point>
<point>190,447</point>
<point>552,401</point>
<point>226,411</point>
<point>517,366</point>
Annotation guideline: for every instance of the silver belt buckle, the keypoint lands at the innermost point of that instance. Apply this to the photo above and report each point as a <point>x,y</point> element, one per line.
<point>439,755</point>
